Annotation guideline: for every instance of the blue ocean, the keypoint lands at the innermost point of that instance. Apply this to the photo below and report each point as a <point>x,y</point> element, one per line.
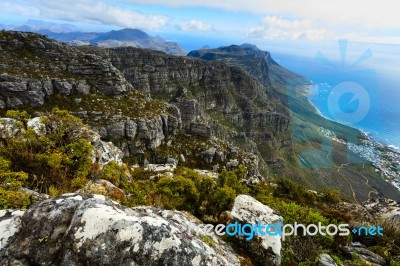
<point>363,93</point>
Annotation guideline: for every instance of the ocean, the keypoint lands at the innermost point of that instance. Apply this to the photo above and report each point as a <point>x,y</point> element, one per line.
<point>364,93</point>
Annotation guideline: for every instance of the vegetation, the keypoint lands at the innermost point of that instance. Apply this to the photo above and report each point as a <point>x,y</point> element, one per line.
<point>60,161</point>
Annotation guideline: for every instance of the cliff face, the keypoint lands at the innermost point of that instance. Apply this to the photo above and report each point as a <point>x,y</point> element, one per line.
<point>204,90</point>
<point>34,68</point>
<point>40,74</point>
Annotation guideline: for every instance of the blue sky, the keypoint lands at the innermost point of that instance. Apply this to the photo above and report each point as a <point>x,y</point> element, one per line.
<point>292,27</point>
<point>268,20</point>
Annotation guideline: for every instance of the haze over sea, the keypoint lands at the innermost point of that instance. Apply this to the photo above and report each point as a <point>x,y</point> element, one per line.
<point>379,75</point>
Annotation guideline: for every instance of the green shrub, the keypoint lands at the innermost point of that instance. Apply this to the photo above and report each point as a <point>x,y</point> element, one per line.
<point>10,183</point>
<point>11,199</point>
<point>178,193</point>
<point>394,263</point>
<point>337,260</point>
<point>18,115</point>
<point>53,159</point>
<point>115,173</point>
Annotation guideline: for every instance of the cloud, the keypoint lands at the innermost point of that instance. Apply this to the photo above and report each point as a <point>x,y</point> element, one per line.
<point>194,25</point>
<point>91,11</point>
<point>368,14</point>
<point>275,27</point>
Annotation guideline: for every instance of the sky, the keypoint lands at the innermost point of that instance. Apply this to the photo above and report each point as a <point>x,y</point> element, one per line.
<point>294,27</point>
<point>268,20</point>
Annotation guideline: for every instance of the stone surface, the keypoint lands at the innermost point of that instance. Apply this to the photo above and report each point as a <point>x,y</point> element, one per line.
<point>9,128</point>
<point>366,255</point>
<point>265,250</point>
<point>326,260</point>
<point>10,224</point>
<point>82,229</point>
<point>37,125</point>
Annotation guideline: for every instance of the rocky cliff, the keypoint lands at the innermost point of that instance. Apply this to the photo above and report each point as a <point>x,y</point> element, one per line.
<point>226,98</point>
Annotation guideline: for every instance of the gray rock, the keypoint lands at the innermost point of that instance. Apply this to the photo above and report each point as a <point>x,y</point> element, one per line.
<point>35,85</point>
<point>36,98</point>
<point>82,87</point>
<point>10,224</point>
<point>37,125</point>
<point>201,130</point>
<point>326,260</point>
<point>48,87</point>
<point>76,228</point>
<point>9,128</point>
<point>116,130</point>
<point>34,195</point>
<point>13,86</point>
<point>232,164</point>
<point>182,158</point>
<point>209,154</point>
<point>2,104</point>
<point>130,129</point>
<point>63,87</point>
<point>172,161</point>
<point>105,152</point>
<point>14,102</point>
<point>366,255</point>
<point>265,250</point>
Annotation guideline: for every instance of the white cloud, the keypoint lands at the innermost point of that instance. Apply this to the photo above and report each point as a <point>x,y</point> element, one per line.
<point>16,7</point>
<point>92,11</point>
<point>369,14</point>
<point>275,27</point>
<point>194,25</point>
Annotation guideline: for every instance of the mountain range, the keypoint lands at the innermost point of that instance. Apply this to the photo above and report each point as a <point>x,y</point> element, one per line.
<point>113,151</point>
<point>115,38</point>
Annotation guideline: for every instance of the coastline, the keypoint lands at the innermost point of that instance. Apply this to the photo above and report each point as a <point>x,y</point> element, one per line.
<point>383,157</point>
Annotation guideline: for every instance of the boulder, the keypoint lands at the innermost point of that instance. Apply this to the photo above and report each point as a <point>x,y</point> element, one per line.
<point>326,260</point>
<point>200,129</point>
<point>37,125</point>
<point>265,250</point>
<point>367,255</point>
<point>209,154</point>
<point>10,223</point>
<point>83,229</point>
<point>9,128</point>
<point>63,87</point>
<point>35,196</point>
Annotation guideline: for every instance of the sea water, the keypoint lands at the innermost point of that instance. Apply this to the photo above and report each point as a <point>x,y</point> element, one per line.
<point>372,92</point>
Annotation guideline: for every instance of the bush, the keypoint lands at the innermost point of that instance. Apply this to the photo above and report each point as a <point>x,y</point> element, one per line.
<point>10,183</point>
<point>58,159</point>
<point>115,173</point>
<point>178,193</point>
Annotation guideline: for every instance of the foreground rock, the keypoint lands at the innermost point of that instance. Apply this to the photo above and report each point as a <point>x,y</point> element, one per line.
<point>365,255</point>
<point>326,260</point>
<point>265,250</point>
<point>81,229</point>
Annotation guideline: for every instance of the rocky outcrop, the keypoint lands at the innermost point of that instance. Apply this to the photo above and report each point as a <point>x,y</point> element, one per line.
<point>81,229</point>
<point>197,88</point>
<point>365,255</point>
<point>205,98</point>
<point>265,250</point>
<point>136,135</point>
<point>34,68</point>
